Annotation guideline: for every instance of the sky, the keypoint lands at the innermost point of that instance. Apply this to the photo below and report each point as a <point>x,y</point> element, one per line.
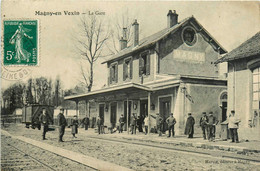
<point>230,23</point>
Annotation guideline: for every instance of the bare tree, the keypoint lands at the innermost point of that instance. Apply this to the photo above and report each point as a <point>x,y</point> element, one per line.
<point>122,23</point>
<point>121,28</point>
<point>89,44</point>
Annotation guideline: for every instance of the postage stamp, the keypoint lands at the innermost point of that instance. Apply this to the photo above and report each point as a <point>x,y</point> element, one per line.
<point>20,42</point>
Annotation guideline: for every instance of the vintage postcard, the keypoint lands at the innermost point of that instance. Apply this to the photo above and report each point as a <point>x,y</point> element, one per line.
<point>130,85</point>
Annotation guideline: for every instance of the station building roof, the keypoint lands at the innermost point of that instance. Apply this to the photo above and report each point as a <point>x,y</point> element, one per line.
<point>249,48</point>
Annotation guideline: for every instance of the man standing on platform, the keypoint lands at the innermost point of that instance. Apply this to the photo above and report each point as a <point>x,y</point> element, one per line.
<point>133,124</point>
<point>45,121</point>
<point>85,122</point>
<point>171,121</point>
<point>211,126</point>
<point>121,123</point>
<point>62,123</point>
<point>189,129</point>
<point>233,122</point>
<point>159,123</point>
<point>203,124</point>
<point>99,124</point>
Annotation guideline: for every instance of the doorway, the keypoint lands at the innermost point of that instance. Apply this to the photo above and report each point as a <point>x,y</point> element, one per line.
<point>143,108</point>
<point>113,112</point>
<point>165,110</point>
<point>125,113</point>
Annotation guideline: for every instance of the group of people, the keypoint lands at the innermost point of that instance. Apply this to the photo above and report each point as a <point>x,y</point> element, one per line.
<point>207,123</point>
<point>45,120</point>
<point>139,122</point>
<point>208,126</point>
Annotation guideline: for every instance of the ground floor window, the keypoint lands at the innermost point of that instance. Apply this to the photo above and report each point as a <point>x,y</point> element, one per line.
<point>256,97</point>
<point>256,88</point>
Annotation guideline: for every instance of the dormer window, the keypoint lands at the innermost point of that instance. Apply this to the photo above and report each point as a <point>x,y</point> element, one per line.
<point>144,64</point>
<point>113,73</point>
<point>127,70</point>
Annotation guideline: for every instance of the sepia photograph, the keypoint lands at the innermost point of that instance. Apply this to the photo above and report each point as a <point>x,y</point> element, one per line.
<point>130,85</point>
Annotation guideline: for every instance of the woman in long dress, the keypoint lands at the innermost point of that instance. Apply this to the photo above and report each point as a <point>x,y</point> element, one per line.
<point>74,126</point>
<point>17,39</point>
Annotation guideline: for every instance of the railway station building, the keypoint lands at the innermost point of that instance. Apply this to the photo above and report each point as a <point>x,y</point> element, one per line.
<point>244,86</point>
<point>171,71</point>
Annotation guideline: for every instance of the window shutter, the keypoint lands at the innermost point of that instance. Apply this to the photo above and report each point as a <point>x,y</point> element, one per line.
<point>131,69</point>
<point>111,75</point>
<point>116,73</point>
<point>124,71</point>
<point>141,64</point>
<point>148,64</point>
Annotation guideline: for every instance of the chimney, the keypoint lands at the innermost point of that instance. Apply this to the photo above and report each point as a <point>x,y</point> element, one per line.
<point>172,18</point>
<point>123,43</point>
<point>123,40</point>
<point>136,33</point>
<point>124,33</point>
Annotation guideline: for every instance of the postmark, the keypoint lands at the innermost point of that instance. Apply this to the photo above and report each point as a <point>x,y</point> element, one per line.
<point>20,43</point>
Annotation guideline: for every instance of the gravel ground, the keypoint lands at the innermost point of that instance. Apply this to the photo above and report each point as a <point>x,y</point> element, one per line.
<point>134,157</point>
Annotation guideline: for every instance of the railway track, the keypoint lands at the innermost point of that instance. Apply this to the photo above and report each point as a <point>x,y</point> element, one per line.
<point>16,155</point>
<point>13,158</point>
<point>210,154</point>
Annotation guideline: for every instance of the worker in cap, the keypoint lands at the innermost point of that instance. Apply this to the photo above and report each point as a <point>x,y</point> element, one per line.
<point>233,122</point>
<point>62,123</point>
<point>171,121</point>
<point>203,124</point>
<point>212,122</point>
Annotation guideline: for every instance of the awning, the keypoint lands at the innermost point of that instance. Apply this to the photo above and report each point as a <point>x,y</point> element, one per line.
<point>125,89</point>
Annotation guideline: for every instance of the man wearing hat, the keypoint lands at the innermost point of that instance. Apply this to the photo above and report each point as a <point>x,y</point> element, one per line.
<point>233,122</point>
<point>62,123</point>
<point>189,128</point>
<point>85,122</point>
<point>159,123</point>
<point>121,123</point>
<point>203,124</point>
<point>99,124</point>
<point>45,121</point>
<point>133,120</point>
<point>171,121</point>
<point>212,122</point>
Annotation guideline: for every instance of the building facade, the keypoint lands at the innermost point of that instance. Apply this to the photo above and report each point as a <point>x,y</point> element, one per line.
<point>171,71</point>
<point>244,85</point>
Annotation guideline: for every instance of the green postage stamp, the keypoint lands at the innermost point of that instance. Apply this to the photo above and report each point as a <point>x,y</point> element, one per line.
<point>20,42</point>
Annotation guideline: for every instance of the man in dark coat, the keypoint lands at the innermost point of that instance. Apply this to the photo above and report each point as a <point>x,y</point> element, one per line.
<point>62,123</point>
<point>203,124</point>
<point>189,129</point>
<point>140,123</point>
<point>171,121</point>
<point>45,121</point>
<point>99,124</point>
<point>85,121</point>
<point>133,123</point>
<point>121,123</point>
